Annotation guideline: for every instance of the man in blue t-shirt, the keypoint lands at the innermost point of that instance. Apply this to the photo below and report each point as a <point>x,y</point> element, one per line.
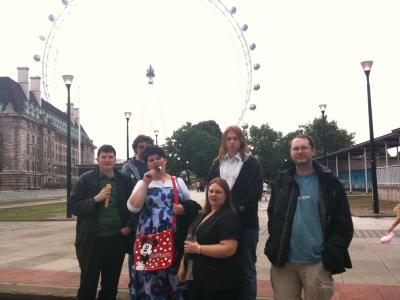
<point>309,225</point>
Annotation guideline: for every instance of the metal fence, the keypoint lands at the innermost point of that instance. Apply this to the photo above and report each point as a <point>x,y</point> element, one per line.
<point>388,176</point>
<point>32,194</point>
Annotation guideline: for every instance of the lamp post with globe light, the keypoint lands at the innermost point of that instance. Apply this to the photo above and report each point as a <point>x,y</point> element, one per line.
<point>68,81</point>
<point>367,65</point>
<point>301,128</point>
<point>127,117</point>
<point>156,132</point>
<point>322,107</point>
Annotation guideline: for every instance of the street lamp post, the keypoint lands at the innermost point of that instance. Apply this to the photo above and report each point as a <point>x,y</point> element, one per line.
<point>301,128</point>
<point>322,107</point>
<point>68,81</point>
<point>367,65</point>
<point>156,132</point>
<point>127,117</point>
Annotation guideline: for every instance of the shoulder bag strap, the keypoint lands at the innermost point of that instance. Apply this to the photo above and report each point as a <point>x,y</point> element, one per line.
<point>134,170</point>
<point>176,200</point>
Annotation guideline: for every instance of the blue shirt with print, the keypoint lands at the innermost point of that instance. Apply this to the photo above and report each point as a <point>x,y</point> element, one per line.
<point>306,241</point>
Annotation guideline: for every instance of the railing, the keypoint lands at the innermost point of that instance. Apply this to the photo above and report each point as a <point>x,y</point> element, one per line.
<point>388,176</point>
<point>32,194</point>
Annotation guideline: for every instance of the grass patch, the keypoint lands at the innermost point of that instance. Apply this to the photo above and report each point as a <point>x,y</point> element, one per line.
<point>16,201</point>
<point>359,205</point>
<point>363,205</point>
<point>34,212</point>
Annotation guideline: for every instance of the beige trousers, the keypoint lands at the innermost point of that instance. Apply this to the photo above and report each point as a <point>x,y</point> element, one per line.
<point>288,282</point>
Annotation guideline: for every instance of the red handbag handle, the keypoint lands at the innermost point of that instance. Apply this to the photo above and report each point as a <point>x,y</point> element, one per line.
<point>176,200</point>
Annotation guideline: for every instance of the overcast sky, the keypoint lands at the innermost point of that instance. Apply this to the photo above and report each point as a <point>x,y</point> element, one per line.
<point>309,51</point>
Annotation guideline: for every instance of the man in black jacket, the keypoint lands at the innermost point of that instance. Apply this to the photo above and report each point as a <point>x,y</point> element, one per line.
<point>309,225</point>
<point>104,226</point>
<point>244,176</point>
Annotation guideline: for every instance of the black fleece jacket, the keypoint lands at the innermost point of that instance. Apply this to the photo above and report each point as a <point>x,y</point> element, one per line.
<point>246,191</point>
<point>337,226</point>
<point>87,211</point>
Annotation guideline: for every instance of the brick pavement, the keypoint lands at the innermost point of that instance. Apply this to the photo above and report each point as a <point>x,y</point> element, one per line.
<point>38,258</point>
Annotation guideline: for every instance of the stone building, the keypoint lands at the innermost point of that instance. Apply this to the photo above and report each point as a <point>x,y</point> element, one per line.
<point>33,137</point>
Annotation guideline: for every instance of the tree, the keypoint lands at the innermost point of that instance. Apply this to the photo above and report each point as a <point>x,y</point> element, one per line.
<point>192,148</point>
<point>336,138</point>
<point>265,146</point>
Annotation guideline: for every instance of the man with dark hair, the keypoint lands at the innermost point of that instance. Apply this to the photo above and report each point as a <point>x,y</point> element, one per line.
<point>135,168</point>
<point>104,226</point>
<point>309,225</point>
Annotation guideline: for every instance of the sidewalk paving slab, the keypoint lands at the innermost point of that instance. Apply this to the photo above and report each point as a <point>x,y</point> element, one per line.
<point>37,261</point>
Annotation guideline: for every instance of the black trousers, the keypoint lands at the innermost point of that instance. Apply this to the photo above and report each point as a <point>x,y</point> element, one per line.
<point>107,257</point>
<point>195,293</point>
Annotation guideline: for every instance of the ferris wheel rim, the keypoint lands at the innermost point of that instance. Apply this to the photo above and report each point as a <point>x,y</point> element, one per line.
<point>223,9</point>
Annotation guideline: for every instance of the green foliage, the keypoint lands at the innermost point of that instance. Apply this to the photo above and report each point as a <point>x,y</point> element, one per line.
<point>34,212</point>
<point>336,138</point>
<point>264,142</point>
<point>192,148</point>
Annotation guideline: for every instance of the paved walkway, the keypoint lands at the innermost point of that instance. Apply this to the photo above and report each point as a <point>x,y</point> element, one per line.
<point>38,258</point>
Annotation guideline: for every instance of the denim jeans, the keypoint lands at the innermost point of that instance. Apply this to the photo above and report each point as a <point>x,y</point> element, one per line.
<point>248,257</point>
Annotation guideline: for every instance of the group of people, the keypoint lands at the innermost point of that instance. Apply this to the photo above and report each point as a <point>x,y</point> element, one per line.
<point>178,250</point>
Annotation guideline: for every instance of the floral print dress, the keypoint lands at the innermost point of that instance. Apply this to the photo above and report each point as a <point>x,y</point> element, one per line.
<point>157,216</point>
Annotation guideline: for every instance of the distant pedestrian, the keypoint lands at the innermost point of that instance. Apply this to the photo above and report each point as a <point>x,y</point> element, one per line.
<point>202,184</point>
<point>264,192</point>
<point>103,226</point>
<point>243,173</point>
<point>309,225</point>
<point>396,222</point>
<point>135,168</point>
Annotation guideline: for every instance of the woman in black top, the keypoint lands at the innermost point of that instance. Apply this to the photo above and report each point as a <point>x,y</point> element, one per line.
<point>211,247</point>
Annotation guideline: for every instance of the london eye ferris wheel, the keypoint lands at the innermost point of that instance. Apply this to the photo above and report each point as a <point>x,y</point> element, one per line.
<point>198,48</point>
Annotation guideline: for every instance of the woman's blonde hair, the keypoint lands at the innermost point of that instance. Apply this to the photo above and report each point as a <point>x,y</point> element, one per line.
<point>244,148</point>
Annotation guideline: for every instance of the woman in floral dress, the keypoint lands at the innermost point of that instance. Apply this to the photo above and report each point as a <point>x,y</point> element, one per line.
<point>153,197</point>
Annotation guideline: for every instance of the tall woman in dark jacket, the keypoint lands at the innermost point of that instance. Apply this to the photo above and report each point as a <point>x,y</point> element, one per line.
<point>211,248</point>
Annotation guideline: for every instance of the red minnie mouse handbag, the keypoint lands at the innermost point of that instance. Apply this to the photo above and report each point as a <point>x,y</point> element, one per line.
<point>155,251</point>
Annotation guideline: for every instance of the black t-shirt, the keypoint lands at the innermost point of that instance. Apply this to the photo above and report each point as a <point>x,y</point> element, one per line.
<point>217,273</point>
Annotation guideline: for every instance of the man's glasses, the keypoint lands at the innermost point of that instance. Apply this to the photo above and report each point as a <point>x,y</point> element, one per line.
<point>232,138</point>
<point>300,149</point>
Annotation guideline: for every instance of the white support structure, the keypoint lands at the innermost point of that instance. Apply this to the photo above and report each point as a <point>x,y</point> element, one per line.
<point>337,166</point>
<point>365,170</point>
<point>349,164</point>
<point>386,155</point>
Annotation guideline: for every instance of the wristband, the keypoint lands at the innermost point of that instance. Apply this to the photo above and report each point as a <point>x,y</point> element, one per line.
<point>199,250</point>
